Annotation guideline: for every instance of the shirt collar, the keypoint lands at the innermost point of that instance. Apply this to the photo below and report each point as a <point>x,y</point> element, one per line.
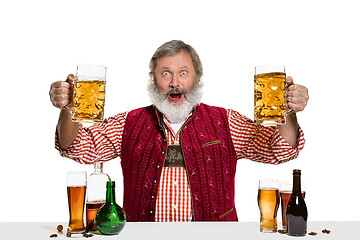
<point>163,121</point>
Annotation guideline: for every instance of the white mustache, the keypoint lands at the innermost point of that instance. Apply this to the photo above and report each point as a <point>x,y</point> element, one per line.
<point>175,112</point>
<point>175,91</point>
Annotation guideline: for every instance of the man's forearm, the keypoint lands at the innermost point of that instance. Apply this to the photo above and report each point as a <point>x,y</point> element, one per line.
<point>290,130</point>
<point>67,130</point>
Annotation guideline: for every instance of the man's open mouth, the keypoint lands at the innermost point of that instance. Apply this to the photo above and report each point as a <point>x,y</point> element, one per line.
<point>175,97</point>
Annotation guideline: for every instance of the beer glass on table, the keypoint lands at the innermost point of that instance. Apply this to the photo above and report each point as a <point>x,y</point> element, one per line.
<point>76,188</point>
<point>285,193</point>
<point>89,93</point>
<point>270,95</point>
<point>268,201</point>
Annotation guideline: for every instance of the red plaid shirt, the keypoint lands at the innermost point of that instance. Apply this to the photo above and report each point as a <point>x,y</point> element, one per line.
<point>103,142</point>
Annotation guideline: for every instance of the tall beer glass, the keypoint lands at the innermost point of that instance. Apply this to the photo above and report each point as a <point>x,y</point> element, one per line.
<point>89,93</point>
<point>268,201</point>
<point>269,95</point>
<point>76,188</point>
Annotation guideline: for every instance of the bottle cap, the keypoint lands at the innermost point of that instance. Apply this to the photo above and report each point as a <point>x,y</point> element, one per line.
<point>296,172</point>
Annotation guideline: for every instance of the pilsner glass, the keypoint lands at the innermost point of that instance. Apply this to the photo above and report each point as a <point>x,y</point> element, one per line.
<point>76,188</point>
<point>89,93</point>
<point>269,95</point>
<point>268,201</point>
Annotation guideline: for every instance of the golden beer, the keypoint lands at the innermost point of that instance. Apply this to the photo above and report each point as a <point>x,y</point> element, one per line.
<point>76,201</point>
<point>88,101</point>
<point>268,201</point>
<point>269,98</point>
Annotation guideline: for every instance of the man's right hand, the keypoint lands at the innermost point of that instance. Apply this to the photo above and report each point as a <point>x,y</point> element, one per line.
<point>61,92</point>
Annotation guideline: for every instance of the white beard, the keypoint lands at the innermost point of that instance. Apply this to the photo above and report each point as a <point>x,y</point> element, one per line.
<point>175,112</point>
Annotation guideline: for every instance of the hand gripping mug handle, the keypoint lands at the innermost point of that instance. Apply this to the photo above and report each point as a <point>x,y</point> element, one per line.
<point>71,82</point>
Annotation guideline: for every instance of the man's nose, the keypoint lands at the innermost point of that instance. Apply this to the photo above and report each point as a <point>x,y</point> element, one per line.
<point>174,82</point>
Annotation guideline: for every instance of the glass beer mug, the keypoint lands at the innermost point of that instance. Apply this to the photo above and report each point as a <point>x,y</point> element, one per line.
<point>270,95</point>
<point>89,93</point>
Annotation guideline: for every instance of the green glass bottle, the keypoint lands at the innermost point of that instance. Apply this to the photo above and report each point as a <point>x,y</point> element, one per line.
<point>110,218</point>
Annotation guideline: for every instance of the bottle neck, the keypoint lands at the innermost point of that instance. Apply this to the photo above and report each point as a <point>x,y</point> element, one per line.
<point>110,192</point>
<point>98,166</point>
<point>296,184</point>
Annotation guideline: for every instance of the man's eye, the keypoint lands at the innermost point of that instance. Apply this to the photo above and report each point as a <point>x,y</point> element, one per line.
<point>166,74</point>
<point>183,73</point>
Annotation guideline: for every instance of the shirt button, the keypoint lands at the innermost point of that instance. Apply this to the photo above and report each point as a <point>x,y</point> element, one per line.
<point>164,139</point>
<point>158,166</point>
<point>154,181</point>
<point>152,197</point>
<point>162,152</point>
<point>151,212</point>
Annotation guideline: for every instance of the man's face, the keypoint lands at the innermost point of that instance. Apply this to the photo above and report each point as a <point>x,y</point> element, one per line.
<point>175,72</point>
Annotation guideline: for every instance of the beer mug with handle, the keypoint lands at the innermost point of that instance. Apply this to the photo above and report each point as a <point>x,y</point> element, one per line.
<point>270,95</point>
<point>88,93</point>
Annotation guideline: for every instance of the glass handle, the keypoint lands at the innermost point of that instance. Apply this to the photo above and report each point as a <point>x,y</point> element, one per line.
<point>288,111</point>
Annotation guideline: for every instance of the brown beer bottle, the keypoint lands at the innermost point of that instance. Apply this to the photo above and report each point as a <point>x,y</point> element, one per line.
<point>296,211</point>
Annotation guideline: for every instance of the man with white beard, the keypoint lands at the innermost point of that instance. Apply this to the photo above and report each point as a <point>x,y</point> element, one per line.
<point>178,155</point>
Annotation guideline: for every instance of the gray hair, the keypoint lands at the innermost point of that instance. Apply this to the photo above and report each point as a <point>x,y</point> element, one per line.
<point>171,48</point>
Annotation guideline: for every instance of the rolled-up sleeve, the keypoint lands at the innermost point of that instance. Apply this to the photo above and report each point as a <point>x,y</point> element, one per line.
<point>261,144</point>
<point>97,142</point>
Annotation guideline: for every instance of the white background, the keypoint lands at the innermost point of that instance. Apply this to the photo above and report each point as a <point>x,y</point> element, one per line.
<point>42,41</point>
